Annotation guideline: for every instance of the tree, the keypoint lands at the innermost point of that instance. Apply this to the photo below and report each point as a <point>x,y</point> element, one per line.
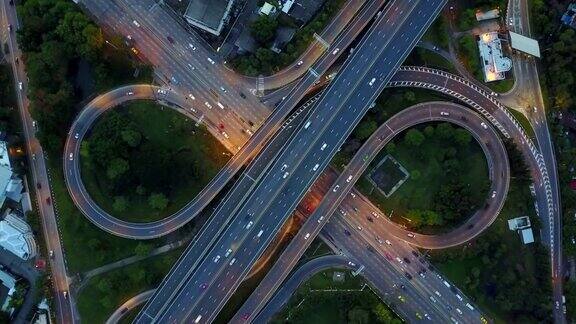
<point>132,137</point>
<point>414,137</point>
<point>263,29</point>
<point>384,315</point>
<point>365,129</point>
<point>120,204</point>
<point>143,249</point>
<point>358,315</point>
<point>117,168</point>
<point>462,137</point>
<point>445,131</point>
<point>409,96</point>
<point>104,285</point>
<point>158,201</point>
<point>390,148</point>
<point>415,175</point>
<point>429,131</point>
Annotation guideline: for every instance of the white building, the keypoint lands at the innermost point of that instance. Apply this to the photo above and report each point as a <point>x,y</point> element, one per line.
<point>10,283</point>
<point>494,63</point>
<point>209,15</point>
<point>5,171</point>
<point>16,237</point>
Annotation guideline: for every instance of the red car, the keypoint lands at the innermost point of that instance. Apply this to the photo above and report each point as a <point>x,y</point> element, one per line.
<point>388,256</point>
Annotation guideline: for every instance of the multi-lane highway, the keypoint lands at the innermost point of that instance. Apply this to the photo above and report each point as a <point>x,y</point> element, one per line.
<point>359,209</point>
<point>63,302</point>
<point>343,103</point>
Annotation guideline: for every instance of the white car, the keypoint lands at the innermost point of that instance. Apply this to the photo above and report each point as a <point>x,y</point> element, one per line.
<point>320,219</point>
<point>307,236</point>
<point>161,91</point>
<point>315,167</point>
<point>388,242</point>
<point>375,214</point>
<point>371,83</point>
<point>411,235</point>
<point>399,260</point>
<point>353,195</point>
<point>443,113</point>
<point>225,135</point>
<point>349,179</point>
<point>207,104</point>
<point>232,261</point>
<point>129,93</point>
<point>335,51</point>
<point>136,23</point>
<point>228,253</point>
<point>285,175</point>
<point>211,61</point>
<point>71,156</point>
<point>191,96</point>
<point>493,193</point>
<point>283,168</point>
<point>76,136</point>
<point>352,264</point>
<point>484,125</point>
<point>299,63</point>
<point>20,85</point>
<point>336,188</point>
<point>359,227</point>
<point>249,225</point>
<point>216,259</point>
<point>192,46</point>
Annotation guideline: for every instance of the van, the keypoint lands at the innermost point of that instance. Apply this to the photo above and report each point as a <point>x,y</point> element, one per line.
<point>446,283</point>
<point>469,306</point>
<point>371,83</point>
<point>260,233</point>
<point>211,61</point>
<point>316,167</point>
<point>323,146</point>
<point>307,124</point>
<point>220,105</point>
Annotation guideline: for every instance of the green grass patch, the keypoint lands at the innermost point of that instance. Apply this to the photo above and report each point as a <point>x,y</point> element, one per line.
<point>524,122</point>
<point>510,281</point>
<point>438,33</point>
<point>165,154</point>
<point>469,55</point>
<point>322,300</point>
<point>434,165</point>
<point>104,293</point>
<point>425,57</point>
<point>501,86</point>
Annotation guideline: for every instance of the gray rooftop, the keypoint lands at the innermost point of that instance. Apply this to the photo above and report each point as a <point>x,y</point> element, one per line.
<point>209,12</point>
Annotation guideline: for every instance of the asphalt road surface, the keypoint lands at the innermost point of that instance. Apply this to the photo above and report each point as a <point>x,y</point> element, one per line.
<point>400,25</point>
<point>64,304</point>
<point>427,112</point>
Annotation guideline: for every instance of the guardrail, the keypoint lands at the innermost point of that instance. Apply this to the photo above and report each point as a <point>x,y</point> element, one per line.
<point>535,152</point>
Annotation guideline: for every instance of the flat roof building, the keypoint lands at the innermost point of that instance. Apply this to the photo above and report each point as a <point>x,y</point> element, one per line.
<point>208,15</point>
<point>16,237</point>
<point>527,236</point>
<point>494,63</point>
<point>524,44</point>
<point>487,15</point>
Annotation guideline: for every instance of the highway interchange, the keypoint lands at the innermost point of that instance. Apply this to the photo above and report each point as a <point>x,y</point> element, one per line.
<point>190,82</point>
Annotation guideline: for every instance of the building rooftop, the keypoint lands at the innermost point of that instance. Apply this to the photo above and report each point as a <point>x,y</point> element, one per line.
<point>494,63</point>
<point>208,14</point>
<point>527,236</point>
<point>524,44</point>
<point>267,9</point>
<point>518,223</point>
<point>16,237</point>
<point>487,15</point>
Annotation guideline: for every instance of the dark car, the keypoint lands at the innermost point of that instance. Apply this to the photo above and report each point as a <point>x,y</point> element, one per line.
<point>371,249</point>
<point>370,219</point>
<point>170,39</point>
<point>414,253</point>
<point>407,275</point>
<point>48,200</point>
<point>347,232</point>
<point>406,260</point>
<point>38,185</point>
<point>242,95</point>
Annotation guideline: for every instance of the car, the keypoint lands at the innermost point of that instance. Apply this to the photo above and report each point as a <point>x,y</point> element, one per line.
<point>370,219</point>
<point>192,46</point>
<point>493,193</point>
<point>355,208</point>
<point>207,104</point>
<point>336,188</point>
<point>283,168</point>
<point>225,135</point>
<point>379,240</point>
<point>306,236</point>
<point>459,311</point>
<point>315,167</point>
<point>211,61</point>
<point>483,124</point>
<point>402,299</point>
<point>323,146</point>
<point>9,27</point>
<point>65,293</point>
<point>191,96</point>
<point>33,156</point>
<point>459,297</point>
<point>249,132</point>
<point>260,233</point>
<point>34,124</point>
<point>299,63</point>
<point>438,293</point>
<point>216,259</point>
<point>352,264</point>
<point>418,315</point>
<point>427,317</point>
<point>228,253</point>
<point>353,195</point>
<point>203,286</point>
<point>220,105</point>
<point>71,156</point>
<point>129,93</point>
<point>388,242</point>
<point>20,86</point>
<point>349,179</point>
<point>197,320</point>
<point>285,175</point>
<point>399,260</point>
<point>469,306</point>
<point>375,214</point>
<point>38,185</point>
<point>170,39</point>
<point>249,224</point>
<point>242,95</point>
<point>408,276</point>
<point>388,256</point>
<point>411,235</point>
<point>421,274</point>
<point>343,212</point>
<point>135,23</point>
<point>359,227</point>
<point>48,200</point>
<point>371,83</point>
<point>51,254</point>
<point>76,136</point>
<point>347,232</point>
<point>191,67</point>
<point>245,316</point>
<point>432,299</point>
<point>232,261</point>
<point>223,89</point>
<point>320,219</point>
<point>334,52</point>
<point>161,91</point>
<point>406,260</point>
<point>443,113</point>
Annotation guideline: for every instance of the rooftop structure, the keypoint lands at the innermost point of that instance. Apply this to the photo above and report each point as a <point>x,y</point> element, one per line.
<point>487,15</point>
<point>494,63</point>
<point>301,10</point>
<point>569,17</point>
<point>524,44</point>
<point>527,236</point>
<point>16,237</point>
<point>7,288</point>
<point>519,223</point>
<point>267,9</point>
<point>5,171</point>
<point>209,15</point>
